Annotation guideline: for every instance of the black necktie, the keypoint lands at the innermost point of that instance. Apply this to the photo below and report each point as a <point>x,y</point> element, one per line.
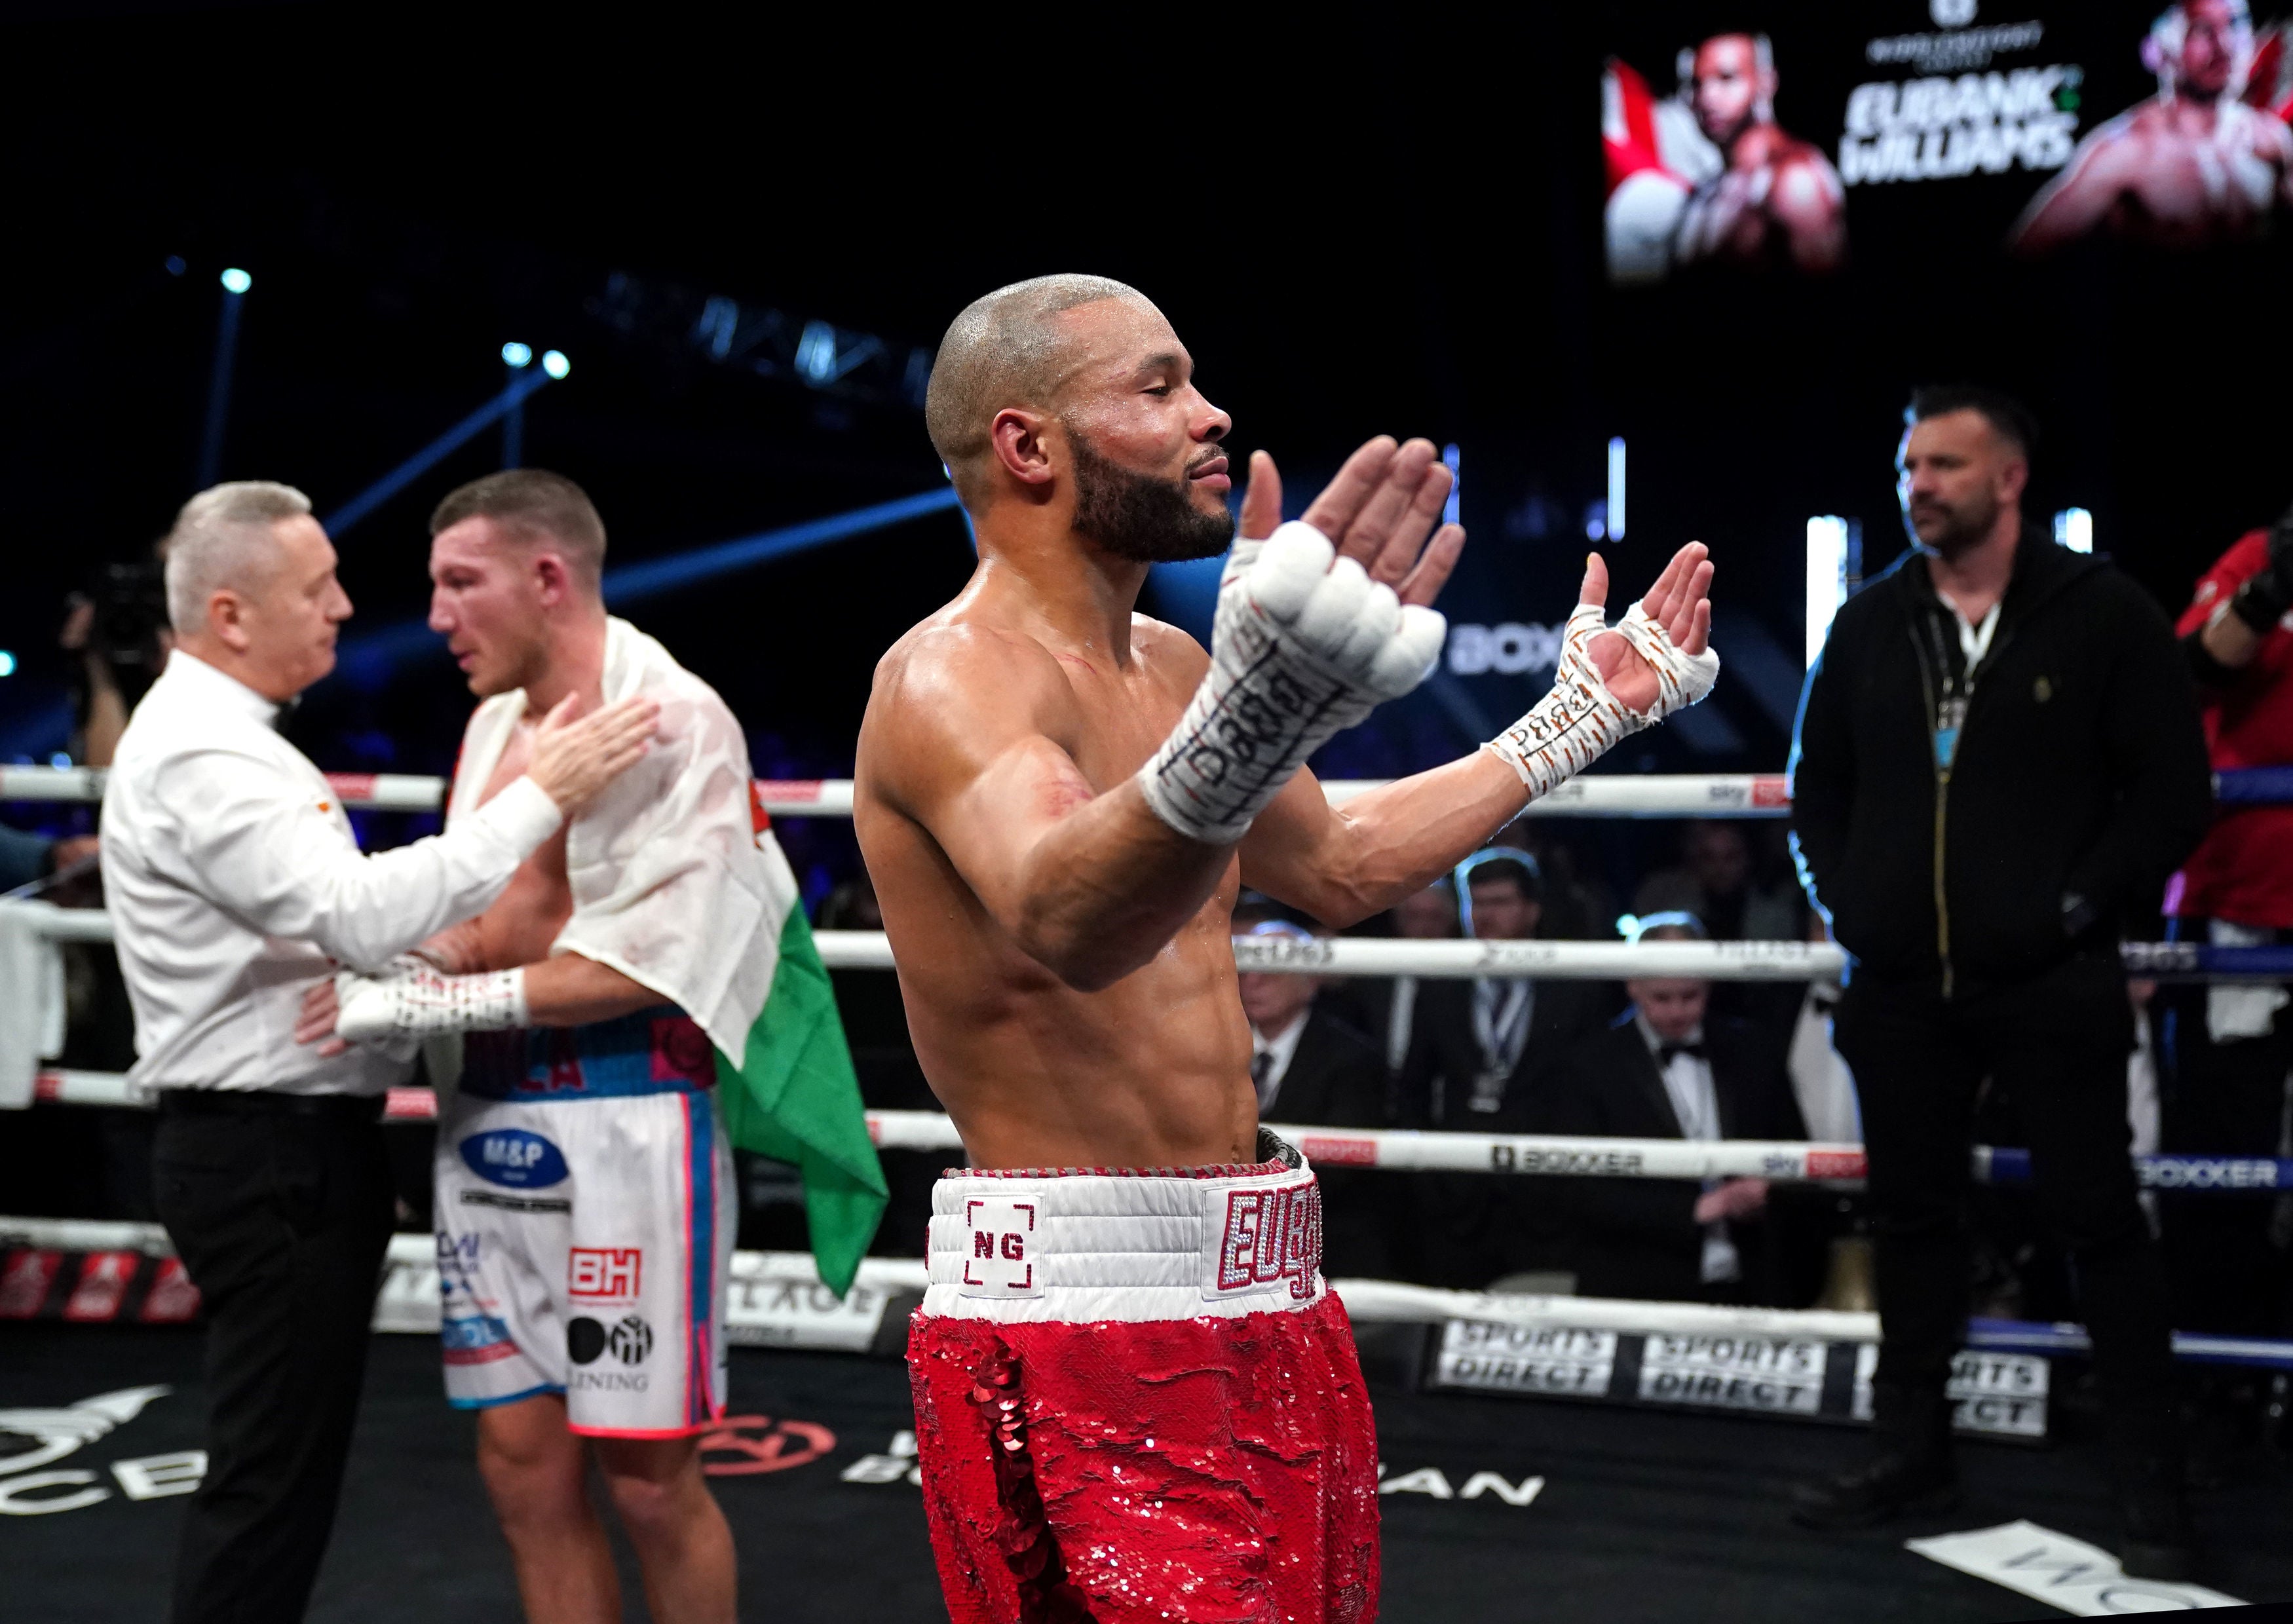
<point>1666,1052</point>
<point>1260,1063</point>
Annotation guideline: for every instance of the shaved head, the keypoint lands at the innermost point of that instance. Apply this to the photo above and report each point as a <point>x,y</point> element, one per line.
<point>1007,349</point>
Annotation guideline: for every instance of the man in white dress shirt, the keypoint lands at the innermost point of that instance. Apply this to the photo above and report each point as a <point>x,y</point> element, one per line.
<point>235,883</point>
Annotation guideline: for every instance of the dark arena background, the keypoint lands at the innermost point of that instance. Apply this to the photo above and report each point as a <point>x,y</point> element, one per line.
<point>700,261</point>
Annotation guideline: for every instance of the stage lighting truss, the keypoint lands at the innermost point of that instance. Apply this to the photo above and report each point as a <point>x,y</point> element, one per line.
<point>807,351</point>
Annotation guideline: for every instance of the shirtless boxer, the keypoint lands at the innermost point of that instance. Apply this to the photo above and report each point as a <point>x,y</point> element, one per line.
<point>1135,1397</point>
<point>585,1206</point>
<point>2191,167</point>
<point>1778,201</point>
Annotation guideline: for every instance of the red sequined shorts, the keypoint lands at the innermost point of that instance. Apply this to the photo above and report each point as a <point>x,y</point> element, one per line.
<point>1137,1399</point>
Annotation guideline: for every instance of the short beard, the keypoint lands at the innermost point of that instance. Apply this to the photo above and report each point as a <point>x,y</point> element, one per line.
<point>1968,528</point>
<point>1140,517</point>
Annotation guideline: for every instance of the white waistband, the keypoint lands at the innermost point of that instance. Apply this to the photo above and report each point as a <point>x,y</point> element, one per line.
<point>1079,1248</point>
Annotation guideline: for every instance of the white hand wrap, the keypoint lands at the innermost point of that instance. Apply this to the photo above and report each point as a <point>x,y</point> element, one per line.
<point>1578,722</point>
<point>424,1002</point>
<point>1302,649</point>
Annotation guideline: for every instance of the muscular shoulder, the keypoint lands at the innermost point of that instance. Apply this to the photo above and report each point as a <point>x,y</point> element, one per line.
<point>959,690</point>
<point>1168,650</point>
<point>1804,175</point>
<point>963,664</point>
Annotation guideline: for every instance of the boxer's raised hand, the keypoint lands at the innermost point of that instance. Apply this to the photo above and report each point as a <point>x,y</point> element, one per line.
<point>1638,668</point>
<point>1612,684</point>
<point>1309,636</point>
<point>1379,510</point>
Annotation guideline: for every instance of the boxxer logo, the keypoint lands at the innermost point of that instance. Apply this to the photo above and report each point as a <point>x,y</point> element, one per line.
<point>1271,1235</point>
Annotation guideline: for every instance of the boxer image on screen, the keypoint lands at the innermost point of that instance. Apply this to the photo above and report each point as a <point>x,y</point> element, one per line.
<point>1777,201</point>
<point>2192,166</point>
<point>1136,1397</point>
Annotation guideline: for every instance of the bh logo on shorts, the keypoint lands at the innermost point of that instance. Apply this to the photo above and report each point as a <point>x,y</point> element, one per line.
<point>998,1257</point>
<point>514,1157</point>
<point>1271,1235</point>
<point>628,1340</point>
<point>610,1272</point>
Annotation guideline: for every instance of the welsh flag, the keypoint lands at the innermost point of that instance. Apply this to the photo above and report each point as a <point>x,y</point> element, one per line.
<point>791,1093</point>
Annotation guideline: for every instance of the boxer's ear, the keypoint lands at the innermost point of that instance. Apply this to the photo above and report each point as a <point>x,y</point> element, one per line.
<point>1017,439</point>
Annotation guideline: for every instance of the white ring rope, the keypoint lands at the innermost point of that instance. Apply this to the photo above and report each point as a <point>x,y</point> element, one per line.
<point>1344,956</point>
<point>1366,1301</point>
<point>1721,795</point>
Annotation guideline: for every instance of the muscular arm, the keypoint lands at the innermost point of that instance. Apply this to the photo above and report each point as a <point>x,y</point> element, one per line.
<point>963,737</point>
<point>2075,202</point>
<point>565,990</point>
<point>1808,203</point>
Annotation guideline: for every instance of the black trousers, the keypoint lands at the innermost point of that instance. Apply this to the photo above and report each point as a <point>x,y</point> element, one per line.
<point>2057,1045</point>
<point>2221,1099</point>
<point>281,1208</point>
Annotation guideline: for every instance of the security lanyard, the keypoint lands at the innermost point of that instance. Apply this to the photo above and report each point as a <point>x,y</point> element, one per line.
<point>1502,1030</point>
<point>1958,683</point>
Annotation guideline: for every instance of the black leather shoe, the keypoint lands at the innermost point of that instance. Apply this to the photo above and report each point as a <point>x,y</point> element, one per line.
<point>1894,1482</point>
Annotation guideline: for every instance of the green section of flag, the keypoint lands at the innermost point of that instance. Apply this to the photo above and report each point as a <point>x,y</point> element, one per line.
<point>797,1100</point>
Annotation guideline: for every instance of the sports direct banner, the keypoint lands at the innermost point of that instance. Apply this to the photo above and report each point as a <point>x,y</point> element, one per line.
<point>2004,127</point>
<point>1995,1395</point>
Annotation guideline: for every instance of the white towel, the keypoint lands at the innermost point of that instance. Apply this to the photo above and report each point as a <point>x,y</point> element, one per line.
<point>670,887</point>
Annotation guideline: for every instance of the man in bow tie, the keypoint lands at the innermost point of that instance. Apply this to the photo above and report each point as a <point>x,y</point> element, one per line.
<point>1668,1069</point>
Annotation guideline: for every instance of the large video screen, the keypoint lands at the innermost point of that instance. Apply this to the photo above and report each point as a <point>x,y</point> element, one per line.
<point>1769,153</point>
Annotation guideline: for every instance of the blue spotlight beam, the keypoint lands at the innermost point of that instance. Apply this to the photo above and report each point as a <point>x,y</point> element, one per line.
<point>430,455</point>
<point>226,358</point>
<point>655,575</point>
<point>367,659</point>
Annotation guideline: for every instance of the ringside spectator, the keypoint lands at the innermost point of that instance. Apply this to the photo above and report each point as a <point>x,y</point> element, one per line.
<point>1998,759</point>
<point>1670,1068</point>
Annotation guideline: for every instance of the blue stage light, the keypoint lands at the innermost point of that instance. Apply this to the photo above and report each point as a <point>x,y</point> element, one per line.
<point>176,264</point>
<point>60,759</point>
<point>236,281</point>
<point>554,363</point>
<point>517,354</point>
<point>7,663</point>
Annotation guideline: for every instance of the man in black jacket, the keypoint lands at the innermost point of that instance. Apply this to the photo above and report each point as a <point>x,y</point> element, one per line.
<point>1999,756</point>
<point>1668,1068</point>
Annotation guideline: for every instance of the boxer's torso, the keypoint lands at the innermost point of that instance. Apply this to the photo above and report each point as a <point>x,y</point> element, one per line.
<point>1152,1071</point>
<point>522,922</point>
<point>2189,176</point>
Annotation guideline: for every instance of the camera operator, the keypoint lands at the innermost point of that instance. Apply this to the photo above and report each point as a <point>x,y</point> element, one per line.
<point>1997,757</point>
<point>118,627</point>
<point>2227,1048</point>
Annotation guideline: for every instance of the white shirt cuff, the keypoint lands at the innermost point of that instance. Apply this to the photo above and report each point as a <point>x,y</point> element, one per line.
<point>523,814</point>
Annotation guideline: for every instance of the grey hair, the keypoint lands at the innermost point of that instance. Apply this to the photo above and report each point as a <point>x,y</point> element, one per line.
<point>1004,350</point>
<point>223,538</point>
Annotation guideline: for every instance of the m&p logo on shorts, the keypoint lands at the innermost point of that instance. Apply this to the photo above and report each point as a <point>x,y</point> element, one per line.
<point>604,1270</point>
<point>514,1157</point>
